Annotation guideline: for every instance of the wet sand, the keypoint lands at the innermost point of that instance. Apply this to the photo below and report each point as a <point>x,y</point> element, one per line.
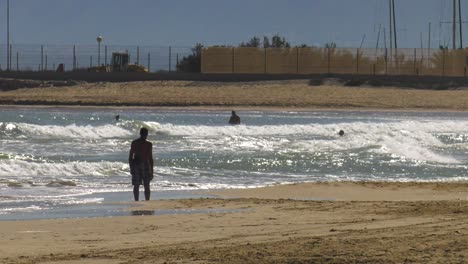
<point>300,223</point>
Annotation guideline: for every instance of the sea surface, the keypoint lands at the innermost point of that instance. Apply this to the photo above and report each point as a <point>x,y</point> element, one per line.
<point>61,159</point>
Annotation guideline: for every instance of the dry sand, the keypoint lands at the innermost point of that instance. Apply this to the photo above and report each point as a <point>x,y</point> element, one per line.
<point>322,223</point>
<point>291,94</point>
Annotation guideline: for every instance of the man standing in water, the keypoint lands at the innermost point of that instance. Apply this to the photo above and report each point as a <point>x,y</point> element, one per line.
<point>235,119</point>
<point>141,164</point>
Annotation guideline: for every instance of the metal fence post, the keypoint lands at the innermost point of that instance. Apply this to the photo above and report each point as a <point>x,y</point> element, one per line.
<point>386,62</point>
<point>232,60</point>
<point>91,61</point>
<point>170,58</point>
<point>42,57</point>
<point>149,62</point>
<point>177,62</point>
<point>357,61</point>
<point>105,55</point>
<point>11,54</point>
<point>74,58</point>
<point>443,62</point>
<point>138,55</point>
<point>46,62</point>
<point>297,60</point>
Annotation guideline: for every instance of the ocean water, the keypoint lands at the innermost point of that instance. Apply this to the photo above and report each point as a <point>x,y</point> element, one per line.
<point>57,157</point>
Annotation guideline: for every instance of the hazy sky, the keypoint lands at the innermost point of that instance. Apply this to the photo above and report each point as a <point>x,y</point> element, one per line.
<point>223,22</point>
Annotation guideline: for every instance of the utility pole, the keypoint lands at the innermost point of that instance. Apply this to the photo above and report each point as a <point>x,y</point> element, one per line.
<point>429,39</point>
<point>8,35</point>
<point>460,19</point>
<point>395,34</point>
<point>454,26</point>
<point>385,39</point>
<point>378,37</point>
<point>429,42</point>
<point>394,26</point>
<point>421,39</point>
<point>390,26</point>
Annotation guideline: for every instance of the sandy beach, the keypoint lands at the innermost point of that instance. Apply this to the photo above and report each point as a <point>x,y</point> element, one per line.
<point>279,94</point>
<point>302,223</point>
<point>336,222</point>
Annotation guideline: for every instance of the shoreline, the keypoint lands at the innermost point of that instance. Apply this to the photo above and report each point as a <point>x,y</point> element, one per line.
<point>413,222</point>
<point>117,204</point>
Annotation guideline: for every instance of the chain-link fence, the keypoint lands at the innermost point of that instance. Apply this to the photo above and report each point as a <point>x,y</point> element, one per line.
<point>439,62</point>
<point>27,57</point>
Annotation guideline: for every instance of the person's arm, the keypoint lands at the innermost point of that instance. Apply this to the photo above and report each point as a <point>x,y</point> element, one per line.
<point>151,161</point>
<point>130,158</point>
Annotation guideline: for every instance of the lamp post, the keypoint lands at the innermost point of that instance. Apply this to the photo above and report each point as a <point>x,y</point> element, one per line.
<point>99,40</point>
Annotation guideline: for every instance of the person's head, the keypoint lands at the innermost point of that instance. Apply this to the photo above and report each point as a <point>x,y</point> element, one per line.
<point>144,132</point>
<point>341,133</point>
<point>233,112</point>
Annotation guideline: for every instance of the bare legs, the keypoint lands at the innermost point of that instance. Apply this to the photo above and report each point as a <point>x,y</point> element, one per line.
<point>136,192</point>
<point>147,191</point>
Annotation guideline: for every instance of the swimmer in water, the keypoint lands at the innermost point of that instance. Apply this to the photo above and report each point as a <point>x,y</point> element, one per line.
<point>235,119</point>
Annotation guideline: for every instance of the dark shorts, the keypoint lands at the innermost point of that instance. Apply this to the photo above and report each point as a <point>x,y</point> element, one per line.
<point>140,174</point>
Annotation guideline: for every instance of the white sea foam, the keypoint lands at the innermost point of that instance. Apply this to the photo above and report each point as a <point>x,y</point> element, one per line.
<point>20,168</point>
<point>408,127</point>
<point>31,208</point>
<point>69,131</point>
<point>415,140</point>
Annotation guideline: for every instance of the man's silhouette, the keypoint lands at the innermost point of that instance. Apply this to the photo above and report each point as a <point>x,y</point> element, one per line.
<point>235,119</point>
<point>141,164</point>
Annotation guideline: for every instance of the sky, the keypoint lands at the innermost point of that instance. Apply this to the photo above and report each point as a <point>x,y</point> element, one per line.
<point>184,23</point>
